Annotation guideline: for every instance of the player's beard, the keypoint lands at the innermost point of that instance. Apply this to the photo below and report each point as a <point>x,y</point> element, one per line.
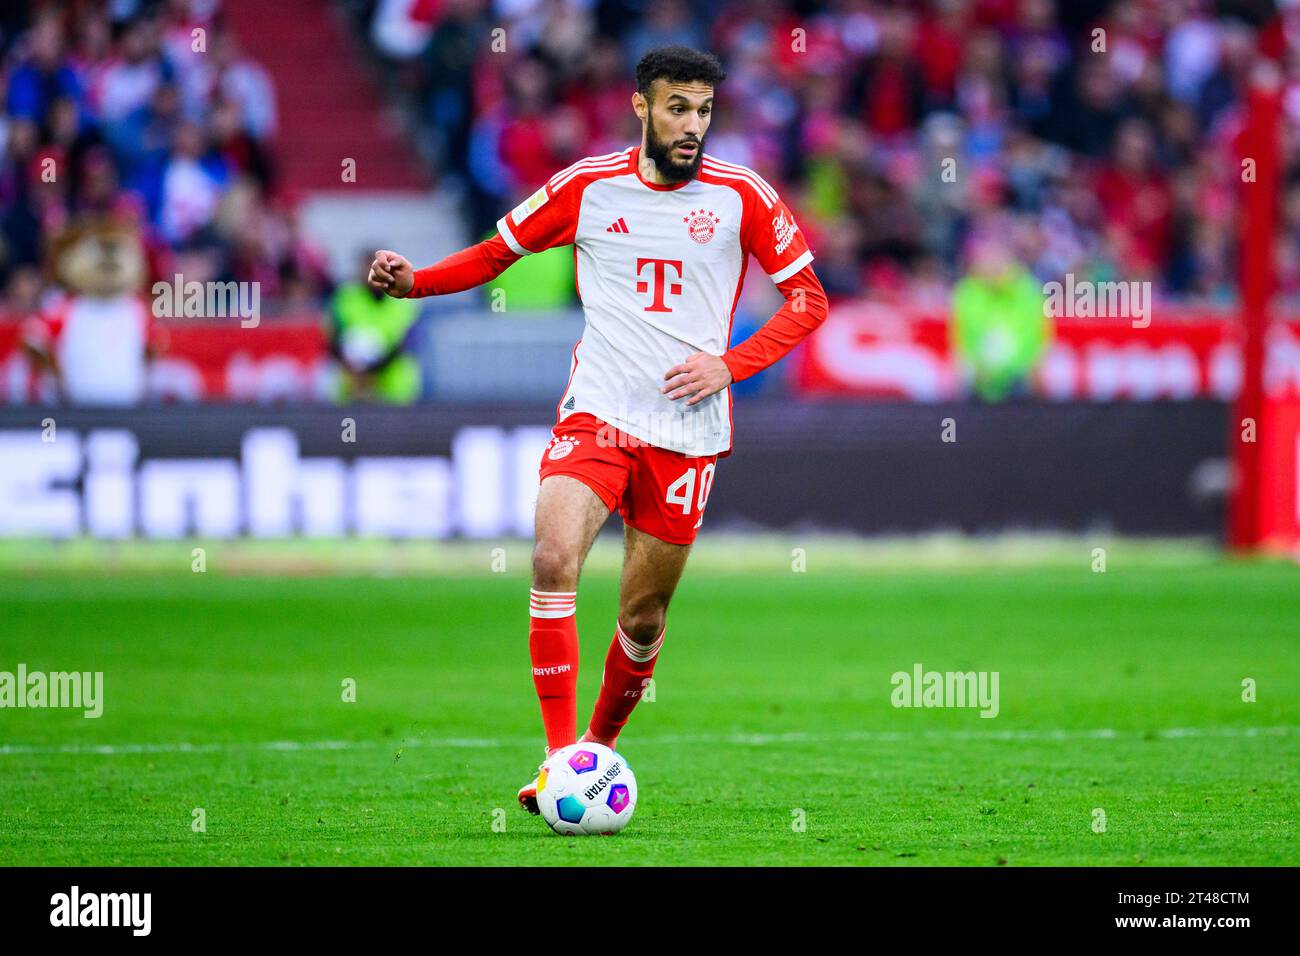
<point>661,154</point>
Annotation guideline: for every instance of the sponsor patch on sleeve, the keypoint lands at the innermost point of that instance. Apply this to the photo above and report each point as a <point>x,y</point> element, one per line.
<point>530,205</point>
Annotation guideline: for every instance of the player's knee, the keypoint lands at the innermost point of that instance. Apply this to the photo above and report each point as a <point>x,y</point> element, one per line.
<point>554,568</point>
<point>643,625</point>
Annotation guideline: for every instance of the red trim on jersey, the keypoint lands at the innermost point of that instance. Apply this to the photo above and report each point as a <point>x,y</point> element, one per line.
<point>731,173</point>
<point>636,165</point>
<point>616,161</point>
<point>555,222</point>
<point>750,201</point>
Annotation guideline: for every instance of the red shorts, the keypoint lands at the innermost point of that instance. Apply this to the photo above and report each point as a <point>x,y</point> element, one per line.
<point>658,491</point>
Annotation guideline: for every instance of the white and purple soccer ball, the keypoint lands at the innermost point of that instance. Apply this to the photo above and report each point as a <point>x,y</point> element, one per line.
<point>586,789</point>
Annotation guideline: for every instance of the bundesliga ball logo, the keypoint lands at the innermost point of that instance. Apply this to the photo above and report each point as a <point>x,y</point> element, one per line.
<point>586,789</point>
<point>701,224</point>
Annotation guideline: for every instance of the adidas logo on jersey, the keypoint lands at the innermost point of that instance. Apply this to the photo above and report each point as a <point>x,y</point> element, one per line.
<point>618,226</point>
<point>569,405</point>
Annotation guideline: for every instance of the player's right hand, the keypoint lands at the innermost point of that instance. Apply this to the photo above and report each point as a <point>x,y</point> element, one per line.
<point>391,273</point>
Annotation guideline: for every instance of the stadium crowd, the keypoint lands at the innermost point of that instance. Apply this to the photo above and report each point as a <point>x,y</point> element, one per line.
<point>936,152</point>
<point>1100,154</point>
<point>1093,156</point>
<point>119,111</point>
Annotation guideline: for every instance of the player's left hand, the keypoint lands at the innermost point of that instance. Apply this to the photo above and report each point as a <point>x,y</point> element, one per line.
<point>700,376</point>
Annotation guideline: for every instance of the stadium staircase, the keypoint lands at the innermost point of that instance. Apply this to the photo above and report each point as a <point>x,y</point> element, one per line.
<point>330,104</point>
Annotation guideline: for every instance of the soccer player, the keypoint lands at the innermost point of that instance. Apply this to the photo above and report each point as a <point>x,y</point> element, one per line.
<point>662,235</point>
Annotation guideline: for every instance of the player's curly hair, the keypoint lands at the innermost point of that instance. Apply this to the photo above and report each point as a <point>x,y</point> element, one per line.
<point>677,64</point>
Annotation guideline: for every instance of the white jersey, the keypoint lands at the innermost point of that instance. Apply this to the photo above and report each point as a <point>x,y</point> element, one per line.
<point>659,271</point>
<point>101,347</point>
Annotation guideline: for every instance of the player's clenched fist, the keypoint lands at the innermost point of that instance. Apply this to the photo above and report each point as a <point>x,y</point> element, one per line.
<point>391,273</point>
<point>699,377</point>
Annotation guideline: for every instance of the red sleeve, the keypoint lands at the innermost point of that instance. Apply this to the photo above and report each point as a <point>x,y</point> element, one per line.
<point>804,310</point>
<point>464,270</point>
<point>770,233</point>
<point>546,219</point>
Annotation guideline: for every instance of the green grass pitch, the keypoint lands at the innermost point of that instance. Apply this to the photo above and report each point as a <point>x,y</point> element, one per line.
<point>1119,692</point>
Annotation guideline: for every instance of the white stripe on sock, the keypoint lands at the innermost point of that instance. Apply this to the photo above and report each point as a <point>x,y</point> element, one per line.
<point>552,604</point>
<point>640,653</point>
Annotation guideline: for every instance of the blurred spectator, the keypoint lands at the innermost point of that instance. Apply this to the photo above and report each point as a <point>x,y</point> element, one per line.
<point>1135,201</point>
<point>373,338</point>
<point>241,152</point>
<point>42,75</point>
<point>451,66</point>
<point>22,295</point>
<point>999,330</point>
<point>269,247</point>
<point>887,94</point>
<point>192,184</point>
<point>238,80</point>
<point>666,22</point>
<point>120,110</point>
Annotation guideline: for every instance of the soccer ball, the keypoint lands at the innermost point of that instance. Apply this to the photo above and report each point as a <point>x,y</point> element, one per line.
<point>585,789</point>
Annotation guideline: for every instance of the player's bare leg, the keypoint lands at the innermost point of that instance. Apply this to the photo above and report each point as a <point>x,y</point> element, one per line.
<point>651,570</point>
<point>569,516</point>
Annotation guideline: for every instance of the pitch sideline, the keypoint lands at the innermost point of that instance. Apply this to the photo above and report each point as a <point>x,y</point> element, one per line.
<point>753,740</point>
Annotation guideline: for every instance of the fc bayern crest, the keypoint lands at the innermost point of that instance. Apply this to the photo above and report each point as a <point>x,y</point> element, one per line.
<point>561,447</point>
<point>701,223</point>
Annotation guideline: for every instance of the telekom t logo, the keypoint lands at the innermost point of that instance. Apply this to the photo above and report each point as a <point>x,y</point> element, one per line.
<point>674,288</point>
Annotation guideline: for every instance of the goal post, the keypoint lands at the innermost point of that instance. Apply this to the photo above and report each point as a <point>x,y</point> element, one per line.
<point>1260,190</point>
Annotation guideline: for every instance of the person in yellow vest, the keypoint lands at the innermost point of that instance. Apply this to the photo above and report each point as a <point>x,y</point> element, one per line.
<point>999,330</point>
<point>372,337</point>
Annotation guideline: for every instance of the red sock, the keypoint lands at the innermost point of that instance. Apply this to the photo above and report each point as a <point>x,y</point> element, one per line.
<point>553,646</point>
<point>628,666</point>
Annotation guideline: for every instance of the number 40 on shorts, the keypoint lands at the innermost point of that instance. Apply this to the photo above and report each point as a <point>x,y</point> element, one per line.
<point>683,491</point>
